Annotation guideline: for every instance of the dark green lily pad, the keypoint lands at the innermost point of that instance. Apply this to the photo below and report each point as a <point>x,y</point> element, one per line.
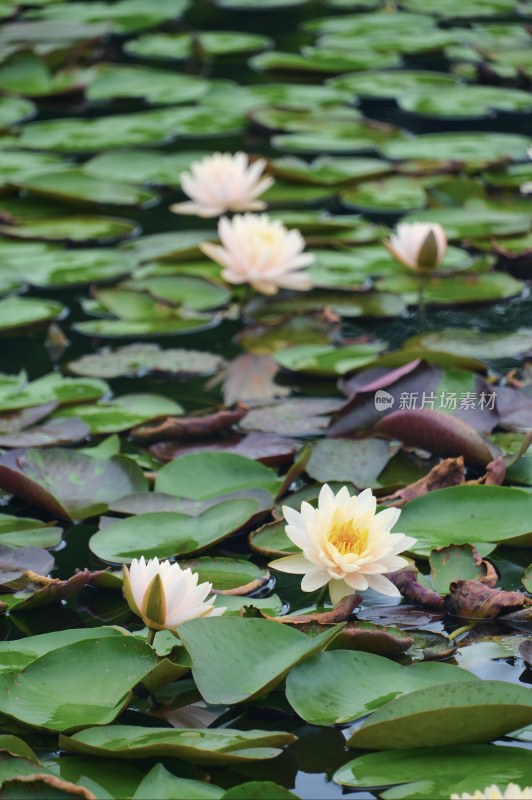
<point>140,359</point>
<point>261,654</point>
<point>171,533</point>
<point>16,165</point>
<point>28,74</point>
<point>209,44</point>
<point>435,773</point>
<point>27,532</point>
<point>45,694</point>
<point>322,692</point>
<point>345,304</point>
<point>66,483</point>
<point>197,745</point>
<point>458,713</point>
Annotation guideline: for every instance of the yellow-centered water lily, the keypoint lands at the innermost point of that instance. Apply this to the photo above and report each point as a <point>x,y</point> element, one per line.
<point>511,792</point>
<point>344,543</point>
<point>164,596</point>
<point>262,252</point>
<point>223,182</point>
<point>420,246</point>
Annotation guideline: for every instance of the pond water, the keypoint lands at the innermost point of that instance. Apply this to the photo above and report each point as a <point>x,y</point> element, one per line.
<point>342,99</point>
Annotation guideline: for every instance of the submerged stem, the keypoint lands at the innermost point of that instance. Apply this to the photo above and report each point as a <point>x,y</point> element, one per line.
<point>151,636</point>
<point>421,305</point>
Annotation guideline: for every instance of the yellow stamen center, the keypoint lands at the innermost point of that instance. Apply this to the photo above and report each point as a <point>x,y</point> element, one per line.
<point>348,538</point>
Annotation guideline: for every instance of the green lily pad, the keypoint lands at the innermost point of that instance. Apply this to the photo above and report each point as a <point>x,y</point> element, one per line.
<point>435,773</point>
<point>271,540</point>
<point>453,563</point>
<point>182,46</point>
<point>392,84</point>
<point>371,26</point>
<point>74,186</point>
<point>232,576</point>
<point>261,654</point>
<point>314,59</point>
<point>27,74</point>
<point>174,246</point>
<point>474,9</point>
<point>510,177</point>
<point>127,130</point>
<point>155,86</point>
<point>73,267</point>
<point>452,290</point>
<point>122,17</point>
<point>16,392</point>
<point>140,359</point>
<point>345,304</point>
<point>16,165</point>
<point>327,171</point>
<point>458,713</point>
<point>27,532</point>
<point>186,290</point>
<point>336,137</point>
<point>392,194</point>
<point>160,169</point>
<point>326,361</point>
<point>474,149</point>
<point>122,413</point>
<point>164,785</point>
<point>14,109</point>
<point>466,515</point>
<point>46,693</point>
<point>80,228</point>
<point>322,692</point>
<point>466,101</point>
<point>201,476</point>
<point>479,344</point>
<point>171,533</point>
<point>66,483</point>
<point>17,313</point>
<point>197,745</point>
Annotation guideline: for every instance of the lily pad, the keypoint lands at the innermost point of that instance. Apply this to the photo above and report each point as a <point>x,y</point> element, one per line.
<point>14,109</point>
<point>261,654</point>
<point>435,773</point>
<point>359,462</point>
<point>28,74</point>
<point>171,533</point>
<point>187,290</point>
<point>155,86</point>
<point>229,576</point>
<point>125,16</point>
<point>209,44</point>
<point>483,345</point>
<point>19,313</point>
<point>122,413</point>
<point>454,290</point>
<point>197,745</point>
<point>459,713</point>
<point>73,185</point>
<point>46,695</point>
<point>27,532</point>
<point>392,84</point>
<point>474,149</point>
<point>66,483</point>
<point>466,102</point>
<point>466,515</point>
<point>305,416</point>
<point>151,166</point>
<point>48,392</point>
<point>324,361</point>
<point>101,230</point>
<point>52,432</point>
<point>201,476</point>
<point>322,692</point>
<point>391,194</point>
<point>140,359</point>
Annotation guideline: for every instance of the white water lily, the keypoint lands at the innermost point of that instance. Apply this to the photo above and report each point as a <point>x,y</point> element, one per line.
<point>511,792</point>
<point>420,246</point>
<point>262,252</point>
<point>165,596</point>
<point>223,182</point>
<point>344,544</point>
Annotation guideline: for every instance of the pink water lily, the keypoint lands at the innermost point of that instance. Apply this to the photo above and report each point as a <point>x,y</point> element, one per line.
<point>420,246</point>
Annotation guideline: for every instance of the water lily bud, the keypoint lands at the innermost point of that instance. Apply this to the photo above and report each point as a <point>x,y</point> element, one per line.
<point>223,182</point>
<point>164,596</point>
<point>344,543</point>
<point>420,246</point>
<point>262,252</point>
<point>511,792</point>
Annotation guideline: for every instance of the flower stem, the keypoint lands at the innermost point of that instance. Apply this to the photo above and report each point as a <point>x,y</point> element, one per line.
<point>151,636</point>
<point>421,305</point>
<point>459,631</point>
<point>322,595</point>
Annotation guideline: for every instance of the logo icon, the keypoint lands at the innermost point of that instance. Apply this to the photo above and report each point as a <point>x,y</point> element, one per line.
<point>383,400</point>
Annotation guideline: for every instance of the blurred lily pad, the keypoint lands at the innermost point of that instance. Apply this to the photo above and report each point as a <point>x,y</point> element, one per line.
<point>474,149</point>
<point>479,344</point>
<point>13,110</point>
<point>155,86</point>
<point>94,229</point>
<point>125,16</point>
<point>17,313</point>
<point>72,185</point>
<point>152,167</point>
<point>123,412</point>
<point>392,84</point>
<point>452,290</point>
<point>140,359</point>
<point>181,46</point>
<point>325,361</point>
